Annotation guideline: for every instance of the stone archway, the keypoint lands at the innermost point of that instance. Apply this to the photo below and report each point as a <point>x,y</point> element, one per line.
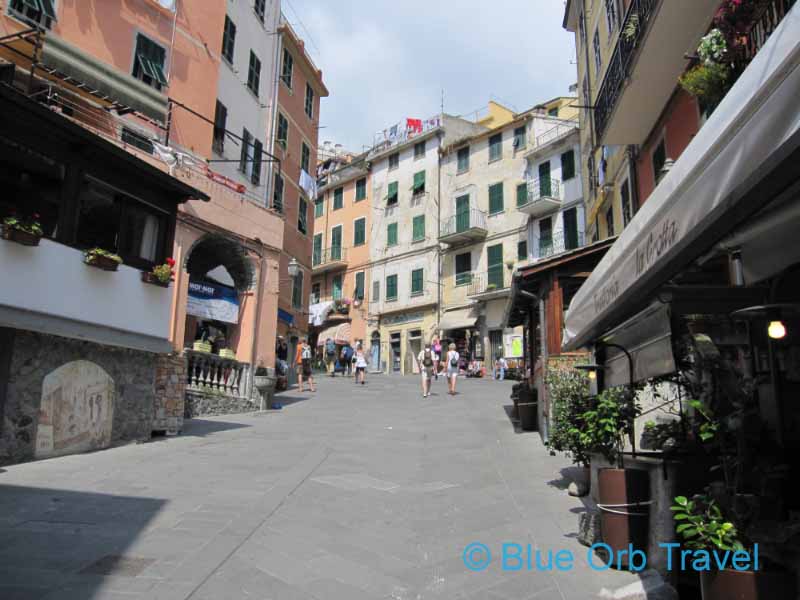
<point>212,251</point>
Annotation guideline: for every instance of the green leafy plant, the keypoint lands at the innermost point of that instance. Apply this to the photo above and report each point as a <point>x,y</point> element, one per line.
<point>95,252</point>
<point>708,427</point>
<point>607,424</point>
<point>702,525</point>
<point>29,225</point>
<point>708,82</point>
<point>164,273</point>
<point>569,399</point>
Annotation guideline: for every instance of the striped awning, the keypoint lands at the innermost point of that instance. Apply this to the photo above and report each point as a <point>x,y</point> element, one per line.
<point>340,334</point>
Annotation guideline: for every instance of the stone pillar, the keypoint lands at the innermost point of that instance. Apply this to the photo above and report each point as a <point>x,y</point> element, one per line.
<point>170,393</point>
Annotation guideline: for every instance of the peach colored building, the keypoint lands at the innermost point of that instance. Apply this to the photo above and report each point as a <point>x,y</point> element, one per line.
<point>295,134</point>
<point>340,251</point>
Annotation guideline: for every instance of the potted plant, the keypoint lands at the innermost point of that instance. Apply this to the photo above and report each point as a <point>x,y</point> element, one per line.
<point>227,353</point>
<point>706,531</point>
<point>102,259</point>
<point>569,399</point>
<point>22,230</point>
<point>161,275</point>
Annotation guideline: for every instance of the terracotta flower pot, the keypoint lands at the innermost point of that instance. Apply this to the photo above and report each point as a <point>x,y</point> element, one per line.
<point>625,514</point>
<point>730,584</point>
<point>12,234</point>
<point>101,262</point>
<point>148,277</point>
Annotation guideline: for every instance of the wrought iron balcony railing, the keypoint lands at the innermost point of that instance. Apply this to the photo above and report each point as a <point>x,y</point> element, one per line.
<point>463,221</point>
<point>494,279</point>
<point>326,256</point>
<point>557,243</point>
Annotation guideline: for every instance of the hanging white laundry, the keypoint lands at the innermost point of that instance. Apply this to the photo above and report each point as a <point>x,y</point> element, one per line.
<point>308,184</point>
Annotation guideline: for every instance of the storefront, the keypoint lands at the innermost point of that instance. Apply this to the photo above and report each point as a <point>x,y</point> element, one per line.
<point>402,335</point>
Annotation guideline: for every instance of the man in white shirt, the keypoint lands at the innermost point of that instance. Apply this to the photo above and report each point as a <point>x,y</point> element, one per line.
<point>426,360</point>
<point>500,367</point>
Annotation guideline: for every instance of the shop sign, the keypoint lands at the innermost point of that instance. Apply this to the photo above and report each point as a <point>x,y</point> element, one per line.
<point>403,318</point>
<point>213,301</point>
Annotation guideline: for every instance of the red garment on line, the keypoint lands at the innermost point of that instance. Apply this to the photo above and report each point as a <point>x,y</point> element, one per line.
<point>414,125</point>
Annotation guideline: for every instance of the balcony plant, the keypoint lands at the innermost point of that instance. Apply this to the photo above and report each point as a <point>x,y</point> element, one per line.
<point>161,275</point>
<point>102,259</point>
<point>22,230</point>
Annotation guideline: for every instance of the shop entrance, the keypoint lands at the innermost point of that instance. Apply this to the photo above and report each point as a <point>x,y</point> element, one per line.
<point>375,352</point>
<point>414,348</point>
<point>394,351</point>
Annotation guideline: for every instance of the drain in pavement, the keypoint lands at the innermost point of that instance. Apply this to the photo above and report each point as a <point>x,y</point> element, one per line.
<point>114,564</point>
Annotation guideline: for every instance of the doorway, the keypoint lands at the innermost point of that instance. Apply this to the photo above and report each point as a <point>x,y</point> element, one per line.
<point>394,351</point>
<point>375,352</point>
<point>414,348</point>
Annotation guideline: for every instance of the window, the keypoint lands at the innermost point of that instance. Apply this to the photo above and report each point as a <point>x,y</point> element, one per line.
<point>316,254</point>
<point>277,194</point>
<point>309,104</point>
<point>148,62</point>
<point>522,194</point>
<point>391,197</point>
<point>625,195</point>
<point>571,236</point>
<point>464,268</point>
<point>496,198</point>
<point>220,121</point>
<point>659,158</point>
<point>254,73</point>
<point>360,231</point>
<point>463,159</point>
<point>419,150</point>
<point>394,160</point>
<point>522,250</point>
<point>611,15</point>
<point>336,243</point>
<point>302,216</point>
<point>297,291</point>
<point>259,7</point>
<point>545,237</point>
<point>391,234</point>
<point>137,140</point>
<point>286,68</point>
<point>336,285</point>
<point>35,12</point>
<point>118,223</point>
<point>496,147</point>
<point>417,282</point>
<point>419,183</point>
<point>361,189</point>
<point>553,112</point>
<point>255,175</point>
<point>494,266</point>
<point>391,287</point>
<point>305,157</point>
<point>283,131</point>
<point>519,138</point>
<point>245,156</point>
<point>376,291</point>
<point>359,291</point>
<point>319,207</point>
<point>338,198</point>
<point>316,293</point>
<point>568,165</point>
<point>610,221</point>
<point>228,39</point>
<point>418,228</point>
<point>598,59</point>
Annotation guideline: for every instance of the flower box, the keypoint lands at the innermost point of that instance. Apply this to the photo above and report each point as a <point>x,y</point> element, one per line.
<point>201,346</point>
<point>13,234</point>
<point>101,262</point>
<point>227,353</point>
<point>148,277</point>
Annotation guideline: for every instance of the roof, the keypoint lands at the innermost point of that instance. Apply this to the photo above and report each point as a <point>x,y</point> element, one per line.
<point>300,46</point>
<point>487,133</point>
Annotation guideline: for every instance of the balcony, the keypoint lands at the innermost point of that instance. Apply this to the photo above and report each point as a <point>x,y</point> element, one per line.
<point>544,197</point>
<point>466,226</point>
<point>644,67</point>
<point>329,259</point>
<point>556,133</point>
<point>557,243</point>
<point>492,283</point>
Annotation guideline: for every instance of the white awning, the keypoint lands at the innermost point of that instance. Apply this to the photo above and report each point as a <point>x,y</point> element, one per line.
<point>759,118</point>
<point>462,318</point>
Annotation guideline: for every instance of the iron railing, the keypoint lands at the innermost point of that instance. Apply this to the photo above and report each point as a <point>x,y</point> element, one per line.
<point>633,29</point>
<point>491,280</point>
<point>463,221</point>
<point>328,255</point>
<point>554,133</point>
<point>557,243</point>
<point>543,188</point>
<point>764,24</point>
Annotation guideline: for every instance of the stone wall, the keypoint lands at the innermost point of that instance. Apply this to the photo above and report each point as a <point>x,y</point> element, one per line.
<point>199,404</point>
<point>170,393</point>
<point>65,396</point>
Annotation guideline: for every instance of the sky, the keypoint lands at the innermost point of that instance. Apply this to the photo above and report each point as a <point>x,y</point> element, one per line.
<point>384,61</point>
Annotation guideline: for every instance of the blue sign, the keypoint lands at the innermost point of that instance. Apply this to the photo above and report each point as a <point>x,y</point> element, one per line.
<point>213,301</point>
<point>285,316</point>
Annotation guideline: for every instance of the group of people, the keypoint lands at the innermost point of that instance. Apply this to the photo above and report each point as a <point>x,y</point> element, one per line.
<point>345,360</point>
<point>430,365</point>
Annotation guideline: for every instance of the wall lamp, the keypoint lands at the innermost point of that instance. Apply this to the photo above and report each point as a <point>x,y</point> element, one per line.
<point>772,314</point>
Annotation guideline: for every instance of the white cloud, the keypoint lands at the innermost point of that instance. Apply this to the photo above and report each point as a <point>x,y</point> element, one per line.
<point>384,61</point>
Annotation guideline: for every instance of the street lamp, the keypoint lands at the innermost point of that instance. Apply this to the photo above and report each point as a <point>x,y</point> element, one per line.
<point>294,268</point>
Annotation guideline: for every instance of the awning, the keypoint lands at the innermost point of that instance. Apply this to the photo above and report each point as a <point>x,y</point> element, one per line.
<point>340,334</point>
<point>461,318</point>
<point>708,191</point>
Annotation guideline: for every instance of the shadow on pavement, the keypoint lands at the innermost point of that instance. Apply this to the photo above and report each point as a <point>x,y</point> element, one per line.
<point>59,544</point>
<point>199,427</point>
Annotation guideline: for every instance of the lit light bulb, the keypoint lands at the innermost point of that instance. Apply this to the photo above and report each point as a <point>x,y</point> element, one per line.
<point>776,330</point>
<point>592,374</point>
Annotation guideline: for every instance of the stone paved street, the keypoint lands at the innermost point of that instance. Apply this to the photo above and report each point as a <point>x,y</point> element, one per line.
<point>350,493</point>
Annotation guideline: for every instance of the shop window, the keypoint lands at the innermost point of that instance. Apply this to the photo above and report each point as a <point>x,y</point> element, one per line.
<point>148,64</point>
<point>39,13</point>
<point>228,39</point>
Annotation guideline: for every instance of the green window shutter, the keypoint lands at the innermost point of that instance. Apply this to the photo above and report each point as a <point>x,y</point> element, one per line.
<point>494,262</point>
<point>359,294</point>
<point>336,243</point>
<point>463,159</point>
<point>417,282</point>
<point>522,194</point>
<point>391,234</point>
<point>319,207</point>
<point>391,287</point>
<point>337,287</point>
<point>391,197</point>
<point>418,228</point>
<point>338,198</point>
<point>495,147</point>
<point>568,165</point>
<point>360,232</point>
<point>496,198</point>
<point>361,189</point>
<point>419,182</point>
<point>317,254</point>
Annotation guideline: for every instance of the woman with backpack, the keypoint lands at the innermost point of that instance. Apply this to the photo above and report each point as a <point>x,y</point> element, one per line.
<point>306,373</point>
<point>426,360</point>
<point>452,369</point>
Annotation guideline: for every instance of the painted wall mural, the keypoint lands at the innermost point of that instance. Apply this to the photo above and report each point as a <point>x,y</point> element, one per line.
<point>77,410</point>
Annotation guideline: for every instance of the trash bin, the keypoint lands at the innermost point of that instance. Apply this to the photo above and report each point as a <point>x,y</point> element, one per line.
<point>528,415</point>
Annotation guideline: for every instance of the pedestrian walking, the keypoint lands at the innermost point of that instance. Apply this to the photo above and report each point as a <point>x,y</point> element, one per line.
<point>330,356</point>
<point>426,360</point>
<point>361,364</point>
<point>500,367</point>
<point>346,359</point>
<point>452,369</point>
<point>305,362</point>
<point>437,350</point>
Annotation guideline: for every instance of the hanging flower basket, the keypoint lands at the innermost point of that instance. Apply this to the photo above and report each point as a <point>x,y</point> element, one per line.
<point>102,259</point>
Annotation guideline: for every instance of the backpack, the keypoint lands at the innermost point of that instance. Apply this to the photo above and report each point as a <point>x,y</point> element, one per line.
<point>454,361</point>
<point>306,354</point>
<point>330,347</point>
<point>427,361</point>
